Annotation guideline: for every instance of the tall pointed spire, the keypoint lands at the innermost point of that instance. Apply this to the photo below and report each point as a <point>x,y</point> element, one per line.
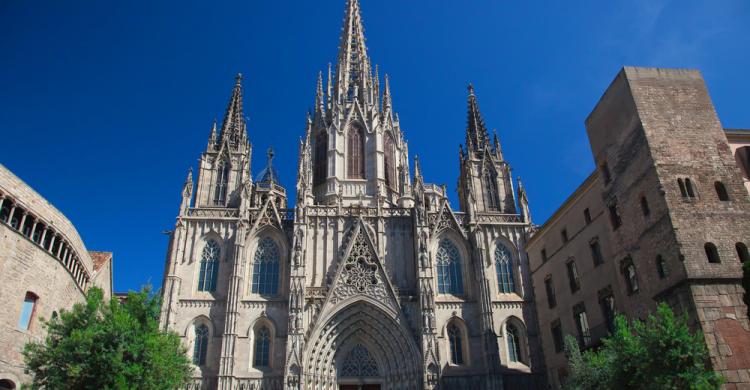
<point>387,103</point>
<point>319,98</point>
<point>476,132</point>
<point>233,127</point>
<point>353,68</point>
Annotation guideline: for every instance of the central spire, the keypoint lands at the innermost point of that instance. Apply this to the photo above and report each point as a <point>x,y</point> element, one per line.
<point>353,72</point>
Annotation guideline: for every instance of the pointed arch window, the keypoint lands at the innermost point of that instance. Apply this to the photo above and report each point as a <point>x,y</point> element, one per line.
<point>504,269</point>
<point>266,268</point>
<point>390,162</point>
<point>450,280</point>
<point>222,181</point>
<point>492,200</point>
<point>355,162</point>
<point>321,158</point>
<point>456,344</point>
<point>359,363</point>
<point>514,345</point>
<point>209,268</point>
<point>200,346</point>
<point>262,347</point>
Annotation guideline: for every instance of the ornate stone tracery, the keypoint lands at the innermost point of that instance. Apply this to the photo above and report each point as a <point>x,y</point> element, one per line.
<point>359,363</point>
<point>361,273</point>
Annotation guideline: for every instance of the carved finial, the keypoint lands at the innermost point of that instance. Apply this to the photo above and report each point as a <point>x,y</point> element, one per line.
<point>471,89</point>
<point>238,78</point>
<point>269,154</point>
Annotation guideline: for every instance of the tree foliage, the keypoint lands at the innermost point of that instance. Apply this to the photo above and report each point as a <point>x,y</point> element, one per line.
<point>660,353</point>
<point>108,345</point>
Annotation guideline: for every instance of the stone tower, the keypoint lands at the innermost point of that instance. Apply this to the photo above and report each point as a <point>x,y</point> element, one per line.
<point>667,169</point>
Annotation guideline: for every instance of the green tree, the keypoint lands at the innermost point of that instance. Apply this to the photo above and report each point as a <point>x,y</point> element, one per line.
<point>108,345</point>
<point>659,353</point>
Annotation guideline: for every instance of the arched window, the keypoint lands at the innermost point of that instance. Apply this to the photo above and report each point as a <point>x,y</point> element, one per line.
<point>661,267</point>
<point>27,311</point>
<point>355,162</point>
<point>359,363</point>
<point>514,344</point>
<point>321,158</point>
<point>456,344</point>
<point>209,270</point>
<point>490,190</point>
<point>7,384</point>
<point>712,253</point>
<point>742,252</point>
<point>266,268</point>
<point>390,163</point>
<point>262,347</point>
<point>504,268</point>
<point>222,180</point>
<point>449,269</point>
<point>721,191</point>
<point>200,346</point>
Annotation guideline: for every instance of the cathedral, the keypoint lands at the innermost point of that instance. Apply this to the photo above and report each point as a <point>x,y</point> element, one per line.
<point>369,278</point>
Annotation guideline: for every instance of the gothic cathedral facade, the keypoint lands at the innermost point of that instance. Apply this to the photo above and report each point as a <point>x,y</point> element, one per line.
<point>369,279</point>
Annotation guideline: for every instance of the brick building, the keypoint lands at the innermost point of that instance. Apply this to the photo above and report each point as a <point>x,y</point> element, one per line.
<point>45,268</point>
<point>664,218</point>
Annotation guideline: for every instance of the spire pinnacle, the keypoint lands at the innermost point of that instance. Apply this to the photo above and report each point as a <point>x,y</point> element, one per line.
<point>387,94</point>
<point>476,132</point>
<point>233,127</point>
<point>353,68</point>
<point>319,98</point>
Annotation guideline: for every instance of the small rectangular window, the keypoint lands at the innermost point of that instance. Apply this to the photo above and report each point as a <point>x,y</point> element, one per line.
<point>596,252</point>
<point>644,206</point>
<point>606,175</point>
<point>27,311</point>
<point>575,282</point>
<point>614,214</point>
<point>544,256</point>
<point>582,324</point>
<point>607,302</point>
<point>557,335</point>
<point>564,235</point>
<point>550,288</point>
<point>587,216</point>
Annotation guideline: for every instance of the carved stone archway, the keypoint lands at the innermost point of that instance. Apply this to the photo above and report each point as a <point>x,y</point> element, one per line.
<point>361,323</point>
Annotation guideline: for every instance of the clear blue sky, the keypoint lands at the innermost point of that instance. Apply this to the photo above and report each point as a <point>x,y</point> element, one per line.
<point>104,105</point>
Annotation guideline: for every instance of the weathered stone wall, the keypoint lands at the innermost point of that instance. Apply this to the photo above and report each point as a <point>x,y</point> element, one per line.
<point>28,267</point>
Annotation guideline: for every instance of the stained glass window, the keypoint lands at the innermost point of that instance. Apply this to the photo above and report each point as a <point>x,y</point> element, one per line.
<point>209,270</point>
<point>449,269</point>
<point>266,268</point>
<point>514,346</point>
<point>504,268</point>
<point>321,158</point>
<point>222,179</point>
<point>356,159</point>
<point>262,347</point>
<point>201,345</point>
<point>456,344</point>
